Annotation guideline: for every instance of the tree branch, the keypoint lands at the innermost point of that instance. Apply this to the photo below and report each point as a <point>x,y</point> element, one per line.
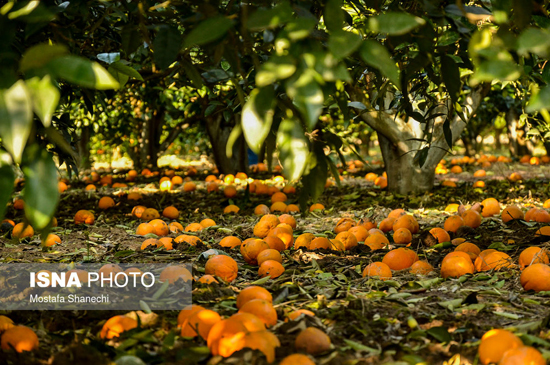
<point>174,133</point>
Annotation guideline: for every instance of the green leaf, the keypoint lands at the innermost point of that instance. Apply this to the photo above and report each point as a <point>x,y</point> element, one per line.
<point>293,148</point>
<point>166,45</point>
<point>448,133</point>
<point>451,77</point>
<point>270,18</point>
<point>497,70</point>
<point>298,29</point>
<point>421,156</point>
<point>39,55</point>
<point>329,67</point>
<point>360,347</point>
<point>308,97</point>
<point>15,118</point>
<point>131,38</point>
<point>40,193</point>
<point>440,333</point>
<point>539,101</point>
<point>192,73</point>
<point>207,31</point>
<point>257,117</point>
<point>233,136</point>
<point>395,23</point>
<point>82,72</point>
<point>45,97</point>
<point>534,40</point>
<point>342,43</point>
<point>448,37</point>
<point>109,57</point>
<point>276,68</point>
<point>376,55</point>
<point>333,15</point>
<point>123,68</point>
<point>7,178</point>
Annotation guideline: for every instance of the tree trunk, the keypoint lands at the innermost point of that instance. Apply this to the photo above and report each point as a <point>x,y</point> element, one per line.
<point>84,148</point>
<point>519,145</point>
<point>404,174</point>
<point>467,141</point>
<point>149,142</point>
<point>219,131</point>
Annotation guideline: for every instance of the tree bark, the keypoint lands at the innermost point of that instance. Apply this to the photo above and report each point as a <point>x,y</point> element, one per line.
<point>84,148</point>
<point>149,142</point>
<point>219,131</point>
<point>519,145</point>
<point>400,141</point>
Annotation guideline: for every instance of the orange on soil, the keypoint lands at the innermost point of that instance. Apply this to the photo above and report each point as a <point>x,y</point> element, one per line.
<point>288,219</point>
<point>407,221</point>
<point>292,208</point>
<point>230,191</point>
<point>207,279</point>
<point>84,217</point>
<point>313,341</point>
<point>194,227</point>
<point>249,320</point>
<point>117,325</point>
<point>230,241</point>
<point>542,216</point>
<point>381,182</point>
<point>278,207</point>
<point>493,261</point>
<point>226,337</point>
<point>189,186</point>
<point>522,355</point>
<point>261,209</point>
<point>530,214</point>
<point>453,223</point>
<point>161,228</point>
<point>456,266</point>
<point>304,240</point>
<point>149,242</point>
<point>348,239</point>
<point>18,204</point>
<point>20,338</point>
<point>297,313</point>
<point>150,214</point>
<point>200,323</point>
<point>344,224</point>
<point>278,197</point>
<point>536,277</point>
<point>402,236</point>
<point>532,255</point>
<point>22,230</point>
<point>495,343</point>
<point>171,212</point>
<point>251,249</point>
<point>284,234</point>
<point>231,209</point>
<point>367,223</point>
<point>138,210</point>
<point>491,207</point>
<point>400,258</point>
<point>52,240</point>
<point>440,234</point>
<point>175,273</point>
<point>187,312</point>
<point>320,242</point>
<point>471,249</point>
<point>315,207</point>
<point>222,266</point>
<point>377,269</point>
<point>421,268</point>
<point>297,359</point>
<point>275,243</point>
<point>376,241</point>
<point>269,254</point>
<point>510,213</point>
<point>471,218</point>
<point>145,228</point>
<point>166,242</point>
<point>262,309</point>
<point>271,268</point>
<point>175,227</point>
<point>106,202</point>
<point>386,224</point>
<point>253,292</point>
<point>212,187</point>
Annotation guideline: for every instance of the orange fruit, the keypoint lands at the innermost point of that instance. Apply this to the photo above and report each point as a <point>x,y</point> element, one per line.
<point>271,268</point>
<point>348,239</point>
<point>284,234</point>
<point>400,258</point>
<point>230,241</point>
<point>359,232</point>
<point>396,213</point>
<point>292,208</point>
<point>222,266</point>
<point>440,234</point>
<point>253,292</point>
<point>480,173</point>
<point>18,204</point>
<point>278,207</point>
<point>479,184</point>
<point>5,323</point>
<point>493,261</point>
<point>522,355</point>
<point>189,186</point>
<point>133,196</point>
<point>138,210</point>
<point>52,240</point>
<point>453,223</point>
<point>297,359</point>
<point>20,338</point>
<point>510,213</point>
<point>150,214</point>
<point>367,223</point>
<point>116,325</point>
<point>536,277</point>
<point>261,209</point>
<point>144,229</point>
<point>90,187</point>
<point>269,254</point>
<point>376,241</point>
<point>495,343</point>
<point>344,224</point>
<point>191,240</point>
<point>194,227</point>
<point>543,231</point>
<point>278,197</point>
<point>491,207</point>
<point>421,268</point>
<point>171,212</point>
<point>378,269</point>
<point>471,249</point>
<point>471,218</point>
<point>84,217</point>
<point>207,279</point>
<point>230,191</point>
<point>251,249</point>
<point>187,312</point>
<point>161,228</point>
<point>381,182</point>
<point>200,323</point>
<point>106,202</point>
<point>402,236</point>
<point>175,273</point>
<point>149,242</point>
<point>532,255</point>
<point>456,266</point>
<point>264,341</point>
<point>320,242</point>
<point>212,187</point>
<point>407,221</point>
<point>317,206</point>
<point>265,225</point>
<point>226,337</point>
<point>386,225</point>
<point>288,219</point>
<point>166,242</point>
<point>304,240</point>
<point>456,169</point>
<point>530,214</point>
<point>262,309</point>
<point>22,230</point>
<point>62,187</point>
<point>231,209</point>
<point>297,313</point>
<point>542,216</point>
<point>249,320</point>
<point>275,243</point>
<point>175,227</point>
<point>313,341</point>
